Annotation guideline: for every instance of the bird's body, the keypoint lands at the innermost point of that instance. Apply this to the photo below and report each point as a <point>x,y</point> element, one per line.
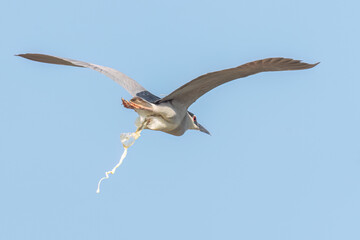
<point>170,114</point>
<point>161,117</point>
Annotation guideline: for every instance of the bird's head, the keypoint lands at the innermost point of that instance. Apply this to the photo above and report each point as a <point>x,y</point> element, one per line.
<point>197,125</point>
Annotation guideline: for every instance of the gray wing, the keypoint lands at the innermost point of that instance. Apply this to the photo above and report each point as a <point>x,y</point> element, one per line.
<point>191,91</point>
<point>134,88</point>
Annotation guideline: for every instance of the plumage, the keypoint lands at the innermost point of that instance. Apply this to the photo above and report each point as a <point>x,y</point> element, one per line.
<point>170,114</point>
<point>126,82</point>
<point>191,91</point>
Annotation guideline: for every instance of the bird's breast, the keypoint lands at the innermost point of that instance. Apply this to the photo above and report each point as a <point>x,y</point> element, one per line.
<point>164,117</point>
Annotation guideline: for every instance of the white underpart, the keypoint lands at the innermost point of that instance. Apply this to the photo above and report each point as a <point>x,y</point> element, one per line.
<point>163,117</point>
<point>127,140</point>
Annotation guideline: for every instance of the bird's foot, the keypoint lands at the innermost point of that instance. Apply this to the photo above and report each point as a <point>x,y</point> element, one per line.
<point>126,104</point>
<point>136,103</point>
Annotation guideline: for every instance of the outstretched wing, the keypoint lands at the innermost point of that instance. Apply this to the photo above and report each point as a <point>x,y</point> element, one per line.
<point>191,91</point>
<point>130,85</point>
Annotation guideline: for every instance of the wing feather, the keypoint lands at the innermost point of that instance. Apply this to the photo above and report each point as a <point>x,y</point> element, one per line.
<point>191,91</point>
<point>126,82</point>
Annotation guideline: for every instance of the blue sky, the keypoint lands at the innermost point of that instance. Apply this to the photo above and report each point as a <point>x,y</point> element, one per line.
<point>283,160</point>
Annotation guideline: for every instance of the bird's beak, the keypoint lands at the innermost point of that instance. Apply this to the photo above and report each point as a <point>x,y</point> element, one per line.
<point>202,129</point>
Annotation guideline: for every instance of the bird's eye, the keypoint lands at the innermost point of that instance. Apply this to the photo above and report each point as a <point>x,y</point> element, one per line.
<point>194,118</point>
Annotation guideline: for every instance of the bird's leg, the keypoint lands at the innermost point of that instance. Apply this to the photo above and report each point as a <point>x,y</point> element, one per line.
<point>137,103</point>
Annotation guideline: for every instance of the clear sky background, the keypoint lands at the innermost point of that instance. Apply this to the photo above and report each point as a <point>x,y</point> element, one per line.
<point>283,161</point>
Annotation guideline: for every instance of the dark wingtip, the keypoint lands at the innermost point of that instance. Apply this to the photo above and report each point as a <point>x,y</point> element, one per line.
<point>306,65</point>
<point>315,64</point>
<point>23,55</point>
<point>49,59</point>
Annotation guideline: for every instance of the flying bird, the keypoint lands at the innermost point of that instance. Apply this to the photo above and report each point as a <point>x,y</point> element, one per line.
<point>170,114</point>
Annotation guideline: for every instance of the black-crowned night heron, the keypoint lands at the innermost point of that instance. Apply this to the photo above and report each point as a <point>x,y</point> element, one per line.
<point>170,114</point>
